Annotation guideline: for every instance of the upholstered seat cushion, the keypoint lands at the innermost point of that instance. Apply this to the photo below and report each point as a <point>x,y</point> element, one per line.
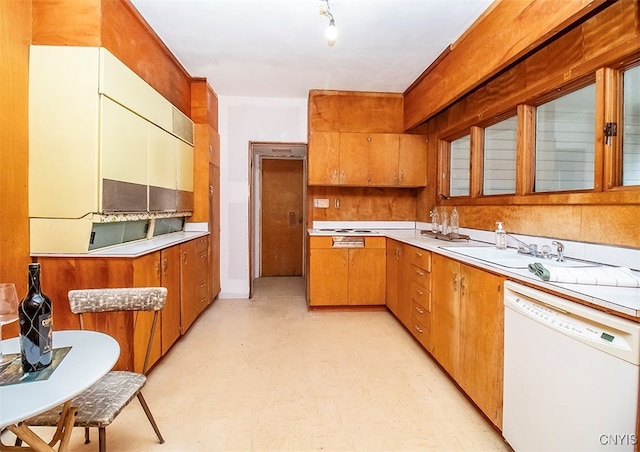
<point>99,405</point>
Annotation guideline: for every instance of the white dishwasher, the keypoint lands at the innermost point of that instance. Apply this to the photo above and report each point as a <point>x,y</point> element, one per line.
<point>571,375</point>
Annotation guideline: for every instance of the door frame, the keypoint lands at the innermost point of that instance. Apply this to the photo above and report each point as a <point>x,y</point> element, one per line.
<point>257,152</point>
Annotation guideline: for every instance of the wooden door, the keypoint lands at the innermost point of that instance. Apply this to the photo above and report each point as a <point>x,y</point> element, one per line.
<point>323,158</point>
<point>367,273</point>
<point>445,313</point>
<point>354,155</point>
<point>481,340</point>
<point>383,160</point>
<point>328,276</point>
<point>170,317</point>
<point>412,161</point>
<point>281,217</point>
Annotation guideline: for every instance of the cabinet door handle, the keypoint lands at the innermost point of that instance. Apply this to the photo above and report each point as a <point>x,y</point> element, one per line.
<point>463,283</point>
<point>158,273</point>
<point>455,282</point>
<point>165,266</point>
<point>185,258</point>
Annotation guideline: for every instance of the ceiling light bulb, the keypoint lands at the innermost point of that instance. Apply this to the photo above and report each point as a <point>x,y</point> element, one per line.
<point>331,33</point>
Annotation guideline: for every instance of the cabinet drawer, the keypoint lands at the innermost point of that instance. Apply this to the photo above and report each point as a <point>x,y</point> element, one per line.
<point>420,276</point>
<point>419,257</point>
<point>420,312</point>
<point>202,244</point>
<point>421,331</point>
<point>421,295</point>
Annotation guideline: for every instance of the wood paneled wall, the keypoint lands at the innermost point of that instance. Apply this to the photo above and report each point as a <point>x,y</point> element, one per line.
<point>117,26</point>
<point>15,37</point>
<point>347,111</point>
<point>606,39</point>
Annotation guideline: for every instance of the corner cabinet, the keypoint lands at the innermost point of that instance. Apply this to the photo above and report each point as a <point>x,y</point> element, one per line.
<point>347,276</point>
<point>367,159</point>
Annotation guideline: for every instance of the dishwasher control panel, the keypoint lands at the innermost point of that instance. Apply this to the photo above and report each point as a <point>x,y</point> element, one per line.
<point>615,335</point>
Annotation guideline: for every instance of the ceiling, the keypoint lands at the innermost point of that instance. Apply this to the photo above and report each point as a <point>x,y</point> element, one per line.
<point>277,48</point>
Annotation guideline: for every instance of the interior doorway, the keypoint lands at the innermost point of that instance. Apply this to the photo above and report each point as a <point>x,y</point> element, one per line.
<point>277,210</point>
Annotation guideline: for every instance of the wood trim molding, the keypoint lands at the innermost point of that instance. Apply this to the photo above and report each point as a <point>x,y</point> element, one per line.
<point>525,149</point>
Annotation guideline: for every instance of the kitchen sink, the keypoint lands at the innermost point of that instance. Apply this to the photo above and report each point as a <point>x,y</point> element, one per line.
<point>510,257</point>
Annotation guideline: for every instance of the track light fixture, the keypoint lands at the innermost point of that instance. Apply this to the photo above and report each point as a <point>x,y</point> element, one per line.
<point>332,32</point>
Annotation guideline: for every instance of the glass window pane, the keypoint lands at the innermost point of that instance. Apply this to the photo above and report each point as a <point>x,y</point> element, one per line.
<point>631,132</point>
<point>500,157</point>
<point>460,164</point>
<point>565,142</point>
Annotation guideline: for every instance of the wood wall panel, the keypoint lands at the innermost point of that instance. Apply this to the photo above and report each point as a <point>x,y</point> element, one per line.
<point>488,47</point>
<point>363,204</point>
<point>66,22</point>
<point>346,111</point>
<point>15,37</point>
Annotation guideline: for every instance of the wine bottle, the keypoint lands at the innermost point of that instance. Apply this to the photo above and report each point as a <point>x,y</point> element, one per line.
<point>36,324</point>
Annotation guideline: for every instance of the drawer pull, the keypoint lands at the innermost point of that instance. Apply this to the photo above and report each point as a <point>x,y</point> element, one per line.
<point>419,273</point>
<point>419,292</point>
<point>418,253</point>
<point>421,311</point>
<point>418,328</point>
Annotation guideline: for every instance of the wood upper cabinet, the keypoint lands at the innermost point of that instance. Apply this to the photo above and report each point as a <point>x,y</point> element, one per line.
<point>367,159</point>
<point>467,331</point>
<point>412,160</point>
<point>347,276</point>
<point>324,158</point>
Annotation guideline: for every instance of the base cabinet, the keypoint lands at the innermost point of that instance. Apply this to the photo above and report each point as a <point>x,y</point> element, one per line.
<point>347,276</point>
<point>467,331</point>
<point>131,330</point>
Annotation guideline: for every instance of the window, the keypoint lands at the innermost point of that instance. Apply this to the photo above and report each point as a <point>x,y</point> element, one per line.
<point>459,166</point>
<point>565,142</point>
<point>500,157</point>
<point>631,130</point>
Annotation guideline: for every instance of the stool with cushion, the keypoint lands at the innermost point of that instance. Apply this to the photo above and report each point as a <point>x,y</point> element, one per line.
<point>99,405</point>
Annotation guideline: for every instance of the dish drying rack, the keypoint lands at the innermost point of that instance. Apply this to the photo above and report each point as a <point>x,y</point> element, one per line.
<point>448,237</point>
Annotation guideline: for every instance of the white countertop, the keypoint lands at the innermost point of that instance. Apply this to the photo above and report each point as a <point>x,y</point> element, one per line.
<point>624,300</point>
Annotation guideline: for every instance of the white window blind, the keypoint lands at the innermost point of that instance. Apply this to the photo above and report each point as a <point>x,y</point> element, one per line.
<point>631,131</point>
<point>500,157</point>
<point>460,166</point>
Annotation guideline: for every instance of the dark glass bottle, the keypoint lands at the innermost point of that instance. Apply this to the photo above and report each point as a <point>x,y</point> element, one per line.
<point>36,324</point>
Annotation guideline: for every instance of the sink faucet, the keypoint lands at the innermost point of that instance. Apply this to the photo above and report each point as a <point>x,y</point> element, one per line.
<point>524,248</point>
<point>560,249</point>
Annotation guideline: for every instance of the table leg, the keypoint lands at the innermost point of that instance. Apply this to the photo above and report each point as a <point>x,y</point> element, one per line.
<point>37,444</point>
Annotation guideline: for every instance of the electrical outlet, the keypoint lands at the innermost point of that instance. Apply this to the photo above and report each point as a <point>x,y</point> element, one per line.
<point>336,203</point>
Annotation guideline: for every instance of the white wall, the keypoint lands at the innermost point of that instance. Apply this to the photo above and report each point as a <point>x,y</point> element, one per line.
<point>243,120</point>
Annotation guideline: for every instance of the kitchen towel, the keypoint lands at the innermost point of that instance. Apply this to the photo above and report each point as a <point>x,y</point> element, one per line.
<point>599,276</point>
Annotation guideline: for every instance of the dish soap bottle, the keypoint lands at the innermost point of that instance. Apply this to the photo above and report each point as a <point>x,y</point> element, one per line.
<point>501,237</point>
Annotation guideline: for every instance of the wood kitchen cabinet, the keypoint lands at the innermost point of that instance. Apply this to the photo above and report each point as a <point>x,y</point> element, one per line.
<point>416,282</point>
<point>160,268</point>
<point>467,329</point>
<point>367,159</point>
<point>194,276</point>
<point>394,275</point>
<point>347,276</point>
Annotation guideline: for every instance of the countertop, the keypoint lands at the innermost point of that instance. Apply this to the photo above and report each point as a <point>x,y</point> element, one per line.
<point>622,300</point>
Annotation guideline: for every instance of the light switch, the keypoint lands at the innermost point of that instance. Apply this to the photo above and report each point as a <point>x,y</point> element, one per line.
<point>321,203</point>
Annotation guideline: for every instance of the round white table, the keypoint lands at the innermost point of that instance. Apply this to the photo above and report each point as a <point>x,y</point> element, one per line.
<point>92,355</point>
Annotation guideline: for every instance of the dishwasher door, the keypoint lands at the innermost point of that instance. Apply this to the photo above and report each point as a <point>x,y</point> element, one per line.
<point>570,375</point>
